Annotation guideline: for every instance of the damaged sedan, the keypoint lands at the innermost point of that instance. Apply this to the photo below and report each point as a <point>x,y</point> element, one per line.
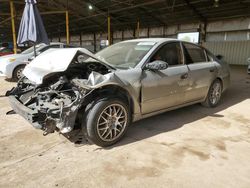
<point>103,93</point>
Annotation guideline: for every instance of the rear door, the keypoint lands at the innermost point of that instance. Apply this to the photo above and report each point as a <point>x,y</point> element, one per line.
<point>202,71</point>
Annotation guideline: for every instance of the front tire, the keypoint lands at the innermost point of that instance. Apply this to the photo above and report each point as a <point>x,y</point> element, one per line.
<point>107,121</point>
<point>214,94</point>
<point>18,72</point>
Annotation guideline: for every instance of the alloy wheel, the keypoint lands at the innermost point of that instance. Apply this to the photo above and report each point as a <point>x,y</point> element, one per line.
<point>215,93</point>
<point>112,122</point>
<point>19,73</point>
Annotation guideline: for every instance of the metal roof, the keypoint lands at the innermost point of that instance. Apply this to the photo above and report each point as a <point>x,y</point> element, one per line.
<point>124,14</point>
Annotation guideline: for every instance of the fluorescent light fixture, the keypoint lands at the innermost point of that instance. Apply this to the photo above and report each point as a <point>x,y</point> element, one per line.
<point>90,7</point>
<point>216,3</point>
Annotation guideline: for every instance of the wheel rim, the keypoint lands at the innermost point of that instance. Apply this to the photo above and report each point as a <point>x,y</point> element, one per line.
<point>112,122</point>
<point>19,73</point>
<point>215,93</point>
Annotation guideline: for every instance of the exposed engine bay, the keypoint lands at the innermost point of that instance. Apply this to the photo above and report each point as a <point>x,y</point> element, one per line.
<point>53,105</point>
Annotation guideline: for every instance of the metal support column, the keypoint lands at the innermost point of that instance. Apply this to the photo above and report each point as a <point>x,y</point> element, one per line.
<point>109,31</point>
<point>59,35</point>
<point>138,29</point>
<point>164,31</point>
<point>67,26</point>
<point>94,42</point>
<point>205,32</point>
<point>13,26</point>
<point>81,39</point>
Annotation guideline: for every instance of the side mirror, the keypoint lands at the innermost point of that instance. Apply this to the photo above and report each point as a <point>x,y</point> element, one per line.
<point>220,57</point>
<point>157,65</point>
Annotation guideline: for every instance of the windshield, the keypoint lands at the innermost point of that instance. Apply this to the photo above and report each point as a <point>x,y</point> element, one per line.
<point>31,49</point>
<point>125,55</point>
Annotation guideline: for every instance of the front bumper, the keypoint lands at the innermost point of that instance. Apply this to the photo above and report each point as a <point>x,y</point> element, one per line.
<point>28,114</point>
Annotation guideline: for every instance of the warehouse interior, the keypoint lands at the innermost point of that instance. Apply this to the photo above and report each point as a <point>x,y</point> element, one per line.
<point>188,147</point>
<point>222,25</point>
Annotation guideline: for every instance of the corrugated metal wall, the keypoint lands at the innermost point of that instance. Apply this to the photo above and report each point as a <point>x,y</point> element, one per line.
<point>234,52</point>
<point>230,38</point>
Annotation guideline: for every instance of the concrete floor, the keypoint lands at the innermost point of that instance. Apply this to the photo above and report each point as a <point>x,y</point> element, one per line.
<point>189,147</point>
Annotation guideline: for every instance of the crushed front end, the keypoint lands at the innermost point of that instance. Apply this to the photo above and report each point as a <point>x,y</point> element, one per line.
<point>55,89</point>
<point>48,107</point>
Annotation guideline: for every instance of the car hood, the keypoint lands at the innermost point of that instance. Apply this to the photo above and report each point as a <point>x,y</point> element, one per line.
<point>14,56</point>
<point>55,61</point>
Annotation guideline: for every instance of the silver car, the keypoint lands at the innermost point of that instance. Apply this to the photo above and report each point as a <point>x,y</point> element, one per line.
<point>102,94</point>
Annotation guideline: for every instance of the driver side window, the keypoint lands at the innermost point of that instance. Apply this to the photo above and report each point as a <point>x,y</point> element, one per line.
<point>170,53</point>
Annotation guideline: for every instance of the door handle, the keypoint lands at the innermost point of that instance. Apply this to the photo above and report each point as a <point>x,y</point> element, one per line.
<point>184,76</point>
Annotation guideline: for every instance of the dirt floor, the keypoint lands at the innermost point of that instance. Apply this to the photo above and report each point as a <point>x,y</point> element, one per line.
<point>189,147</point>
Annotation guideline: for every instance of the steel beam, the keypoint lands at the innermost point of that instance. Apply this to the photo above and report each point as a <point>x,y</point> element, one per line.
<point>195,11</point>
<point>138,29</point>
<point>67,26</point>
<point>13,26</point>
<point>118,10</point>
<point>109,31</point>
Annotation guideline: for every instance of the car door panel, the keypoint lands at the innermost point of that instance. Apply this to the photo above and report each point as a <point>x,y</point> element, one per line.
<point>201,75</point>
<point>166,88</point>
<point>163,89</point>
<point>202,71</point>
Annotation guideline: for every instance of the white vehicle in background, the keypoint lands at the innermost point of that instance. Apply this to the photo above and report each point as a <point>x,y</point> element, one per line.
<point>11,66</point>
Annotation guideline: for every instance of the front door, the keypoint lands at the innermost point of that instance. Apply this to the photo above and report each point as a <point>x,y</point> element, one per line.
<point>165,88</point>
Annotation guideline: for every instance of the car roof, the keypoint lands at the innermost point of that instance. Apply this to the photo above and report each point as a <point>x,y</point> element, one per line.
<point>158,40</point>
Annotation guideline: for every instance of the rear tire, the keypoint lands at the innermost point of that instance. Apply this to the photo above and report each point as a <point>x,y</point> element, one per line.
<point>17,74</point>
<point>107,121</point>
<point>214,94</point>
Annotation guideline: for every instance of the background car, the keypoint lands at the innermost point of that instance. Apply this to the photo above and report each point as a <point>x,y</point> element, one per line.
<point>12,66</point>
<point>126,82</point>
<point>5,51</point>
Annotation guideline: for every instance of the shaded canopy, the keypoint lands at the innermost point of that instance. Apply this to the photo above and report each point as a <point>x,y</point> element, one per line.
<point>31,27</point>
<point>124,14</point>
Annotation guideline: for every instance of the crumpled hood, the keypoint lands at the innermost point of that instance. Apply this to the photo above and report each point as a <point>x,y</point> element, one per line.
<point>54,61</point>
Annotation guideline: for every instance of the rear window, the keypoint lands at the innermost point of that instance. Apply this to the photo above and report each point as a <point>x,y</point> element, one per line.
<point>193,54</point>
